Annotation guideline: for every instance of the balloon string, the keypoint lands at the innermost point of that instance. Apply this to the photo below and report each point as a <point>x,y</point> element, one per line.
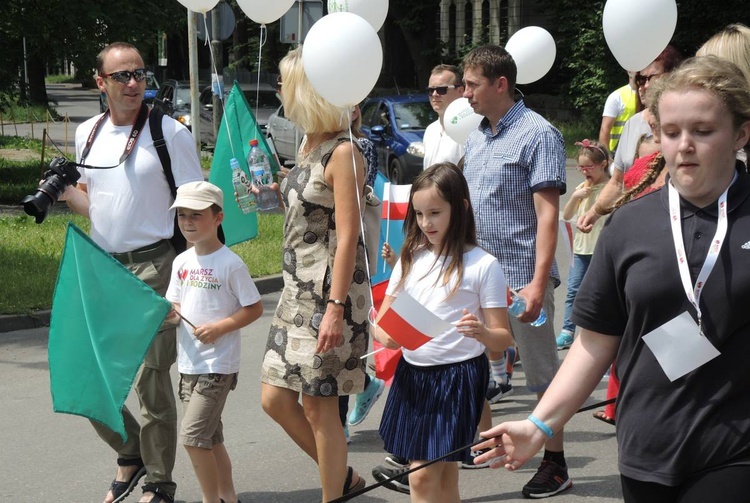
<point>359,198</point>
<point>220,89</point>
<point>263,37</point>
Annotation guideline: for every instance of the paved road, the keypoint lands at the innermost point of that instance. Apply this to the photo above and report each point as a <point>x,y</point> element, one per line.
<point>73,103</point>
<point>57,457</point>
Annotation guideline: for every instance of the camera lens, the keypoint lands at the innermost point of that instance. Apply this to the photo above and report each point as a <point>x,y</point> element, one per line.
<point>37,205</point>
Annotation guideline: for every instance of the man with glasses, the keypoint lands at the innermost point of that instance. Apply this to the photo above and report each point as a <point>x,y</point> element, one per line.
<point>444,88</point>
<point>634,128</point>
<point>128,205</point>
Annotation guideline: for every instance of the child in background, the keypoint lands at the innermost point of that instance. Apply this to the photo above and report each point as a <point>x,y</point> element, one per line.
<point>212,288</point>
<point>593,162</point>
<point>438,390</point>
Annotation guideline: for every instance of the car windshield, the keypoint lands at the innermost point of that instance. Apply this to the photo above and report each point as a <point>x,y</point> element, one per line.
<point>182,96</point>
<point>266,99</point>
<point>415,115</point>
<point>151,82</point>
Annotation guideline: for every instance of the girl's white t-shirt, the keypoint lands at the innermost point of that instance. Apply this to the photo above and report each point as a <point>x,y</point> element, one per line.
<point>483,286</point>
<point>209,288</point>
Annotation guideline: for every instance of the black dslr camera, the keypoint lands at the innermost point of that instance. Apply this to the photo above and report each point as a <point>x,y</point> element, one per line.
<point>60,174</point>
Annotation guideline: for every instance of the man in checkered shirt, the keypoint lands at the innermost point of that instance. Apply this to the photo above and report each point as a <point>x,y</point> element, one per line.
<point>515,168</point>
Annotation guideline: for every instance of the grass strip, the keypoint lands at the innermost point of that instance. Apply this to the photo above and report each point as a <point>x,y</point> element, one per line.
<point>30,256</point>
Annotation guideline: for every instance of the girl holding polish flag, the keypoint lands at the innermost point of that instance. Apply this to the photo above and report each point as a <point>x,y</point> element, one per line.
<point>438,391</point>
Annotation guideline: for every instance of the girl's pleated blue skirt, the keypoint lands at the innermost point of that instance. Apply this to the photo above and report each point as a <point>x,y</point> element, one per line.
<point>432,411</point>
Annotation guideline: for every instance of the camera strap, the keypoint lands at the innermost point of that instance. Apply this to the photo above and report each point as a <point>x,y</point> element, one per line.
<point>135,131</point>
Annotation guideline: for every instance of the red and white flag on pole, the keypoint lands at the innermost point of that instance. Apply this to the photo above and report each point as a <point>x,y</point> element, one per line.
<point>395,203</point>
<point>410,323</point>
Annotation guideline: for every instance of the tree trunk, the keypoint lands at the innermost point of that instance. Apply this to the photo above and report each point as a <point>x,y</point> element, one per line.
<point>37,89</point>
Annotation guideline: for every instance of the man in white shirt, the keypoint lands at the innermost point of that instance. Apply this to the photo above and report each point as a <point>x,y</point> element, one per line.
<point>129,209</point>
<point>445,86</point>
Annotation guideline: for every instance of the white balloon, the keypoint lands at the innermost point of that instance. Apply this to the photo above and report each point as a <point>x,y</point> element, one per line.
<point>265,11</point>
<point>636,31</point>
<point>373,11</point>
<point>342,57</point>
<point>460,120</point>
<point>533,49</point>
<point>201,6</point>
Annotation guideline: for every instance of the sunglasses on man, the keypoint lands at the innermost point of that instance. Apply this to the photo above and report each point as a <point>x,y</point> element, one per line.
<point>641,80</point>
<point>124,76</point>
<point>441,90</point>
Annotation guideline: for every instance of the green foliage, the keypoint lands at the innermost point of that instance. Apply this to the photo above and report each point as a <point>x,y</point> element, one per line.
<point>31,256</point>
<point>19,179</point>
<point>588,72</point>
<point>263,254</point>
<point>576,131</point>
<point>13,110</point>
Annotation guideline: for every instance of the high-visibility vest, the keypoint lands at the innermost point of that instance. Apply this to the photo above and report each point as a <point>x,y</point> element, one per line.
<point>627,96</point>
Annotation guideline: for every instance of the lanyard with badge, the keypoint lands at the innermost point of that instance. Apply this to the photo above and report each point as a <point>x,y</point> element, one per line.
<point>680,345</point>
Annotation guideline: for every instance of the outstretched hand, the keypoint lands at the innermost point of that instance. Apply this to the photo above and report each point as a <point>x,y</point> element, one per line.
<point>511,444</point>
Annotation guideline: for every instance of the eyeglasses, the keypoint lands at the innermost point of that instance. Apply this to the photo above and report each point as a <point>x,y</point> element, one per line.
<point>642,79</point>
<point>124,76</point>
<point>585,168</point>
<point>441,90</point>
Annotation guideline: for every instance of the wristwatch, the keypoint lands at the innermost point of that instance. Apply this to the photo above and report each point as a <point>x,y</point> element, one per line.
<point>335,301</point>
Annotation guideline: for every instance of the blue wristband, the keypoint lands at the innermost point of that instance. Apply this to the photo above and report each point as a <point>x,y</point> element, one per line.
<point>541,425</point>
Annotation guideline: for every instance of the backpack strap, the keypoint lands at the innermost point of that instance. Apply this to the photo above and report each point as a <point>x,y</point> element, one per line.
<point>157,134</point>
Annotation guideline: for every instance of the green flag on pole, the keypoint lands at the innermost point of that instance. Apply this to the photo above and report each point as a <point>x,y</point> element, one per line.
<point>104,319</point>
<point>238,127</point>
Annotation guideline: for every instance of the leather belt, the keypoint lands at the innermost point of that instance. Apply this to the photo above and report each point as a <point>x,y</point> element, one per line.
<point>143,254</point>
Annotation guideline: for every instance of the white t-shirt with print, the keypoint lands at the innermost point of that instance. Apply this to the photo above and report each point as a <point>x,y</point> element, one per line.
<point>483,286</point>
<point>209,288</point>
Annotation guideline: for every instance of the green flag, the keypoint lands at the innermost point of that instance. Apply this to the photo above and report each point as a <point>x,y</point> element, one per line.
<point>238,127</point>
<point>103,321</point>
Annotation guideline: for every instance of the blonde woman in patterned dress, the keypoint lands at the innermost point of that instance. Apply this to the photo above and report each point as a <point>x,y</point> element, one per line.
<point>320,328</point>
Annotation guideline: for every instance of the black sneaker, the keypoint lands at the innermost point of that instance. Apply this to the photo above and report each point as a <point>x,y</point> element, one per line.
<point>549,480</point>
<point>400,483</point>
<point>397,461</point>
<point>469,465</point>
<point>498,392</point>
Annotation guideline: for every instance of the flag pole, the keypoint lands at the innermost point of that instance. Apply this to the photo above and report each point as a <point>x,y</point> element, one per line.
<point>186,320</point>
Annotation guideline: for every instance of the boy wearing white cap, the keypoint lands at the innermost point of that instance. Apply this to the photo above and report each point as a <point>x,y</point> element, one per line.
<point>211,287</point>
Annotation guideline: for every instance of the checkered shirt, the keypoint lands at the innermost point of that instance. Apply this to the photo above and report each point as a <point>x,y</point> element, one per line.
<point>503,171</point>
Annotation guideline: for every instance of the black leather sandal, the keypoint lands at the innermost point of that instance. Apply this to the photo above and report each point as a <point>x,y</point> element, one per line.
<point>121,489</point>
<point>348,487</point>
<point>159,495</point>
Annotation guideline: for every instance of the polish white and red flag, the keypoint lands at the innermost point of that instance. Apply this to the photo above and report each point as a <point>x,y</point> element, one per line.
<point>395,201</point>
<point>410,323</point>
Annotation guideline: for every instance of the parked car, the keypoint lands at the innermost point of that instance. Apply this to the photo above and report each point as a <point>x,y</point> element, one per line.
<point>285,135</point>
<point>152,88</point>
<point>173,99</point>
<point>263,103</point>
<point>396,125</point>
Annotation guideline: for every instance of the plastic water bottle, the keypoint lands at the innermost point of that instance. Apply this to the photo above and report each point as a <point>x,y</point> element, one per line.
<point>518,306</point>
<point>245,197</point>
<point>257,163</point>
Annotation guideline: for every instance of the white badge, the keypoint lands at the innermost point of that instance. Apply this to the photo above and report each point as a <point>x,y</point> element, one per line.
<point>679,346</point>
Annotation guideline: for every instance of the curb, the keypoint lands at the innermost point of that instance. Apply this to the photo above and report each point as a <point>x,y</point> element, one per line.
<point>38,319</point>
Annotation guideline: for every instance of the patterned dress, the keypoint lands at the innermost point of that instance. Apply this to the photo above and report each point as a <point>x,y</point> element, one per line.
<point>309,248</point>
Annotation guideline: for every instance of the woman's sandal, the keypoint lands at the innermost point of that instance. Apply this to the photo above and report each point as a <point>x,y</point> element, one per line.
<point>601,416</point>
<point>348,487</point>
<point>121,489</point>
